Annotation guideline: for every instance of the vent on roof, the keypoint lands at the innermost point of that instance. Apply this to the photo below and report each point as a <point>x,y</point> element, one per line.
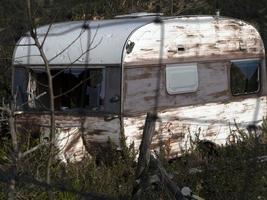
<point>139,14</point>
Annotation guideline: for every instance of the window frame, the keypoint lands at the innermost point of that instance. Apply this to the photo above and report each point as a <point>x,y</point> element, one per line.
<point>182,65</point>
<point>78,110</point>
<point>259,76</point>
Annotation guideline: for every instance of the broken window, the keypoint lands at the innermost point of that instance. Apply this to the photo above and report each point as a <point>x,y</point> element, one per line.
<point>181,78</point>
<point>245,77</point>
<point>74,88</point>
<point>19,82</point>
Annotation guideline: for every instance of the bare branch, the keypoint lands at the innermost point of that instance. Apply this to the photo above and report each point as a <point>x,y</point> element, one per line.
<point>5,109</point>
<point>22,155</point>
<point>167,182</point>
<point>36,98</point>
<point>68,66</point>
<point>73,88</point>
<point>83,53</point>
<point>46,34</point>
<point>33,34</point>
<point>82,31</point>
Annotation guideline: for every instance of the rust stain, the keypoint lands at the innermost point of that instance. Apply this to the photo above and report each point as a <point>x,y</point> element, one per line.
<point>146,49</point>
<point>180,27</point>
<point>172,51</point>
<point>96,132</point>
<point>141,76</point>
<point>220,42</point>
<point>141,128</point>
<point>232,26</point>
<point>75,133</point>
<point>149,98</point>
<point>177,136</point>
<point>210,121</point>
<point>220,94</point>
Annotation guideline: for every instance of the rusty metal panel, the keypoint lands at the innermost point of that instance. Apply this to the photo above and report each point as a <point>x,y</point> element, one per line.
<point>212,121</point>
<point>97,130</point>
<point>141,85</point>
<point>75,135</point>
<point>194,39</point>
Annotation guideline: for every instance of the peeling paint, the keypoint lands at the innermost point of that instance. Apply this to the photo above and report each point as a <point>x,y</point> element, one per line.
<point>74,134</point>
<point>213,121</point>
<point>201,37</point>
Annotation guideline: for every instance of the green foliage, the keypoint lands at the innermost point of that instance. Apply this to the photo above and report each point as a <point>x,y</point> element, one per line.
<point>109,173</point>
<point>234,172</point>
<point>5,71</point>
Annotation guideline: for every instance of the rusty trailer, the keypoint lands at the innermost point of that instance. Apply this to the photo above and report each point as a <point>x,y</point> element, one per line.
<point>205,75</point>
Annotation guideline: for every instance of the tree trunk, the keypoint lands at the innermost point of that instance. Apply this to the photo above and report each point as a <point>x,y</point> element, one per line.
<point>14,138</point>
<point>51,95</point>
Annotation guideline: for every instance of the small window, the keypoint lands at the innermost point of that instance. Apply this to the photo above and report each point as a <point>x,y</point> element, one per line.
<point>181,78</point>
<point>244,77</point>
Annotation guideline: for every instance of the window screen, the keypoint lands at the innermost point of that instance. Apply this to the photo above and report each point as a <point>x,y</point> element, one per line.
<point>181,78</point>
<point>244,77</point>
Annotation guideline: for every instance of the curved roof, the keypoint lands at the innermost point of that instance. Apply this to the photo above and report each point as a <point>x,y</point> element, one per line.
<point>194,39</point>
<point>186,38</point>
<point>73,42</point>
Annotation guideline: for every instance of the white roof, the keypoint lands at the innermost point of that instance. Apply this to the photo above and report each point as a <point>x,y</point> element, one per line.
<point>200,37</point>
<point>70,42</point>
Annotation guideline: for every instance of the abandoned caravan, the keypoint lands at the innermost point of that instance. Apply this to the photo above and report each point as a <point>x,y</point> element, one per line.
<point>204,75</point>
